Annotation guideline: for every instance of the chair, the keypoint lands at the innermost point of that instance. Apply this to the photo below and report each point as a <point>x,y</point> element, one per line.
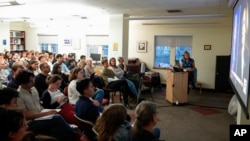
<point>110,91</point>
<point>87,128</point>
<point>144,80</point>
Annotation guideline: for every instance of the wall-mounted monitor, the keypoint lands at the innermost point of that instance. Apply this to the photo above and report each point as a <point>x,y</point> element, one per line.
<point>240,54</point>
<point>95,57</point>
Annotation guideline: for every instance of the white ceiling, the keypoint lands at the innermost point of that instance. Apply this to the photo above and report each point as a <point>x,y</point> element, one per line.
<point>71,9</point>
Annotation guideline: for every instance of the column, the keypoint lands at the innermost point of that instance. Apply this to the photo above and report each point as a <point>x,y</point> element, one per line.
<point>118,36</point>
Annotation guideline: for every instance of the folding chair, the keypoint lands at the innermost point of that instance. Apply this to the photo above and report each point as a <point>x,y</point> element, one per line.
<point>144,86</point>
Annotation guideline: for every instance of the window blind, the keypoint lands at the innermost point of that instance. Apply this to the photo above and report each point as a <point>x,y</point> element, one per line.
<point>173,41</point>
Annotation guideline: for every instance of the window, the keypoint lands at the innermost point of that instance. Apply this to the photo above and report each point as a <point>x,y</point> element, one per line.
<point>98,49</point>
<point>162,56</point>
<point>48,43</point>
<point>54,48</point>
<point>49,47</point>
<point>169,50</point>
<point>44,47</point>
<point>105,49</point>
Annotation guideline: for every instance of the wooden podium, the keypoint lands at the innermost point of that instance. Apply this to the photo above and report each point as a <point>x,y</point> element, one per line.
<point>177,87</point>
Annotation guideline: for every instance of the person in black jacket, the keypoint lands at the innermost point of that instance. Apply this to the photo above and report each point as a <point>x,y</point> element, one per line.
<point>40,79</point>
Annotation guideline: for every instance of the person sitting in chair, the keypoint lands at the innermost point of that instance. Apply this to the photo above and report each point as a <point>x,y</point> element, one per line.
<point>115,83</point>
<point>86,108</point>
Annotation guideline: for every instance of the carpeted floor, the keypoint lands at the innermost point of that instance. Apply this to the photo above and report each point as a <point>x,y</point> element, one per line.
<point>203,118</point>
<point>205,110</point>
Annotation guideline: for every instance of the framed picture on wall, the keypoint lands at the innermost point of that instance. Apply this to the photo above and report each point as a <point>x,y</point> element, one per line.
<point>207,47</point>
<point>67,42</point>
<point>141,46</point>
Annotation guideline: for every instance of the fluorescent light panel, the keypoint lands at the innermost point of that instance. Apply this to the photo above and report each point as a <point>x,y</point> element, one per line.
<point>175,17</point>
<point>5,4</point>
<point>11,2</point>
<point>207,23</point>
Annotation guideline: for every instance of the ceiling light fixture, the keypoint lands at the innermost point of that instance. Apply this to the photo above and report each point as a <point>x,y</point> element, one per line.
<point>11,2</point>
<point>175,17</point>
<point>197,23</point>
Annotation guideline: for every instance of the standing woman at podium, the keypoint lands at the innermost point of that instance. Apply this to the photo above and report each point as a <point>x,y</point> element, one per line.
<point>188,65</point>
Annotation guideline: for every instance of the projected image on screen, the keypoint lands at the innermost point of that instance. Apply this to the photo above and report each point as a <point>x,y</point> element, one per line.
<point>240,55</point>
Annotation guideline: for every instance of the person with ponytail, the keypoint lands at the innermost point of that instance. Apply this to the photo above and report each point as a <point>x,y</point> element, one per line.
<point>146,118</point>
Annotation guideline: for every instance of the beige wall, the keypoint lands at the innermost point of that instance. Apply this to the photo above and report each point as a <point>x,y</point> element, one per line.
<point>217,36</point>
<point>4,35</point>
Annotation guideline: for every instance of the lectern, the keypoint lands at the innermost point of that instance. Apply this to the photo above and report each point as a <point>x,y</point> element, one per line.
<point>177,87</point>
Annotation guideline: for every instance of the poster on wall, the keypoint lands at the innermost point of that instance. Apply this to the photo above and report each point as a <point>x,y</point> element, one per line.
<point>115,46</point>
<point>67,42</point>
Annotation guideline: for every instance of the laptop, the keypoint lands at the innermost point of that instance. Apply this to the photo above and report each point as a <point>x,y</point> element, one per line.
<point>177,69</point>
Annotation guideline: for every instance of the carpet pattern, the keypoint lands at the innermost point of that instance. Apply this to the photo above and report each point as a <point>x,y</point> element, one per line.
<point>205,110</point>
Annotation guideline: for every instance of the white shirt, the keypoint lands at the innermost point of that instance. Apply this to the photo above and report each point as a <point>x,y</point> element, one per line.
<point>54,95</point>
<point>73,94</point>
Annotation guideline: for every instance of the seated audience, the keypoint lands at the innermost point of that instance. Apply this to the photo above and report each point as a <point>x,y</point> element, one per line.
<point>30,105</point>
<point>59,60</point>
<point>89,69</point>
<point>146,118</point>
<point>32,66</point>
<point>53,98</point>
<point>120,74</point>
<point>71,64</point>
<point>90,73</point>
<point>5,62</point>
<point>122,64</point>
<point>42,59</point>
<point>85,107</point>
<point>3,73</point>
<point>16,68</point>
<point>75,76</point>
<point>40,80</point>
<point>14,58</point>
<point>116,84</point>
<point>112,124</point>
<point>57,69</point>
<point>13,125</point>
<point>82,62</point>
<point>8,100</point>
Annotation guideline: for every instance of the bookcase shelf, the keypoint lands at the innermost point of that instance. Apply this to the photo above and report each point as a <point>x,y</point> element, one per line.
<point>17,40</point>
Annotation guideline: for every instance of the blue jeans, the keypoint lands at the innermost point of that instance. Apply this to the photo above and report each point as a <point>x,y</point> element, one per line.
<point>56,127</point>
<point>131,86</point>
<point>98,95</point>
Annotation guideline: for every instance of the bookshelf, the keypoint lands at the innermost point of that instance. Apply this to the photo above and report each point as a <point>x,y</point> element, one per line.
<point>17,40</point>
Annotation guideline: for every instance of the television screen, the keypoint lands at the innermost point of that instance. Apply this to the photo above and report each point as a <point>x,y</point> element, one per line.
<point>240,53</point>
<point>95,57</point>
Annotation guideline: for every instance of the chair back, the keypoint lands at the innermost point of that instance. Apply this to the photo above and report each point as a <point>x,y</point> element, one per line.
<point>87,127</point>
